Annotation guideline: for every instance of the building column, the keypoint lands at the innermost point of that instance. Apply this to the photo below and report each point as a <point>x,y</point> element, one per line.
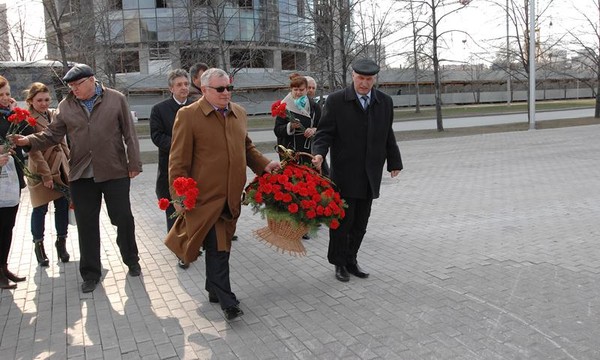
<point>277,60</point>
<point>144,55</point>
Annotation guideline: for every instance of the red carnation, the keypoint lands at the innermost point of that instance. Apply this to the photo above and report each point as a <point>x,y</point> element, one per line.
<point>293,208</point>
<point>334,224</point>
<point>163,203</point>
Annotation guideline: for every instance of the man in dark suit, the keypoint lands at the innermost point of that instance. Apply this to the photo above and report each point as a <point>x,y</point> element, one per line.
<point>357,126</point>
<point>162,117</point>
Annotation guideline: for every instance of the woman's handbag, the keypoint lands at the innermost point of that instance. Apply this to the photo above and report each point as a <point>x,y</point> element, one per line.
<point>9,184</point>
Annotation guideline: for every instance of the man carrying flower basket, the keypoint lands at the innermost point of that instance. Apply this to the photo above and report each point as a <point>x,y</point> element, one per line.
<point>210,144</point>
<point>357,126</point>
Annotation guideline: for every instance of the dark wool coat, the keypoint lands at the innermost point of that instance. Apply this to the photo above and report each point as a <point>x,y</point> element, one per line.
<point>162,118</point>
<point>214,151</point>
<point>360,141</point>
<point>297,141</point>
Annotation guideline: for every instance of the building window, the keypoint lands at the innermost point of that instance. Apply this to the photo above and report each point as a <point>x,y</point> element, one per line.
<point>116,4</point>
<point>288,60</point>
<point>161,4</point>
<point>247,58</point>
<point>246,4</point>
<point>128,61</point>
<point>159,51</point>
<point>300,4</point>
<point>196,3</point>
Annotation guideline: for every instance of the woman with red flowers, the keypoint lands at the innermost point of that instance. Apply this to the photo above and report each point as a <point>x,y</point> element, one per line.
<point>52,165</point>
<point>297,131</point>
<point>8,210</point>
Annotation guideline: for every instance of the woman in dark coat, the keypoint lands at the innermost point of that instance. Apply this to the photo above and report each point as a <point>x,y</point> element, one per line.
<point>298,134</point>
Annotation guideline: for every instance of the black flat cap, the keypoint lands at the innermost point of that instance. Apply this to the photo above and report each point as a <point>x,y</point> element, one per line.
<point>366,67</point>
<point>78,72</point>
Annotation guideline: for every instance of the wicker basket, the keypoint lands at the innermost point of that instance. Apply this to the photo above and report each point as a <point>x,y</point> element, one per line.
<point>284,235</point>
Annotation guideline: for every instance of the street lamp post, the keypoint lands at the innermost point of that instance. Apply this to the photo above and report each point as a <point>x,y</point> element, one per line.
<point>508,91</point>
<point>531,65</point>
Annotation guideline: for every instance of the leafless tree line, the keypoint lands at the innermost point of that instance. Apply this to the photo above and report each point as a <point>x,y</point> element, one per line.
<point>337,31</point>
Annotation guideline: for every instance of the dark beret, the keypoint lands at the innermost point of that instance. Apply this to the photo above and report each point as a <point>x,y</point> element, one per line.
<point>78,72</point>
<point>366,67</point>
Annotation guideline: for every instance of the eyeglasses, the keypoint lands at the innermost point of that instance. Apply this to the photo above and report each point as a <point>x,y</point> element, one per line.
<point>220,89</point>
<point>75,85</point>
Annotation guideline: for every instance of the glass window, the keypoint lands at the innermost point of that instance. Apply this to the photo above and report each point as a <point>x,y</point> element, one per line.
<point>130,4</point>
<point>131,31</point>
<point>147,4</point>
<point>164,29</point>
<point>128,61</point>
<point>148,27</point>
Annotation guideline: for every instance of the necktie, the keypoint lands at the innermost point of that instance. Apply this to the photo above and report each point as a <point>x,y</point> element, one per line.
<point>365,101</point>
<point>222,111</point>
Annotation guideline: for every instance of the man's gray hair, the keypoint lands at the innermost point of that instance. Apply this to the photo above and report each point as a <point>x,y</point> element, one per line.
<point>174,74</point>
<point>310,78</point>
<point>212,73</point>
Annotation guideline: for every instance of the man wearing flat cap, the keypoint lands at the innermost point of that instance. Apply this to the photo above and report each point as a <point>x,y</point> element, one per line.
<point>356,126</point>
<point>105,156</point>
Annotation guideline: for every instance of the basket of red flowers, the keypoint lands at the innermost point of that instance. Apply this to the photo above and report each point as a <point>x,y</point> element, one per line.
<point>295,199</point>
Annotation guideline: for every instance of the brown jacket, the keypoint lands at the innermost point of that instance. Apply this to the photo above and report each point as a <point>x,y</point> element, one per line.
<point>50,164</point>
<point>106,138</point>
<point>214,151</point>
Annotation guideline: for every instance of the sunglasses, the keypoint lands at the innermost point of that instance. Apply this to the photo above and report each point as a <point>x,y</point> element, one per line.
<point>220,89</point>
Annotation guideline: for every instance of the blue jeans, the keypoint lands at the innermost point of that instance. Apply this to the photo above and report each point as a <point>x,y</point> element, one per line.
<point>61,219</point>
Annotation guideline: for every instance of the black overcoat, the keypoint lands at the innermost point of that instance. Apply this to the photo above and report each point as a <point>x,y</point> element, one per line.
<point>297,141</point>
<point>360,141</point>
<point>162,118</point>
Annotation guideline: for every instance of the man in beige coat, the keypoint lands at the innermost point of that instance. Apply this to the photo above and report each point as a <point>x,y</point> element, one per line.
<point>210,144</point>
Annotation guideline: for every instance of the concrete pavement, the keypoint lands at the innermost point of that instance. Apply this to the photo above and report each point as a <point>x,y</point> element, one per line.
<point>485,247</point>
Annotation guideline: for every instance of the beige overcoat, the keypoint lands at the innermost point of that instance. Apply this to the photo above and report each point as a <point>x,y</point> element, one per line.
<point>214,151</point>
<point>50,164</point>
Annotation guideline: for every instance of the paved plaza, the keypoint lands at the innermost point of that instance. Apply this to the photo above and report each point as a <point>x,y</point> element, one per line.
<point>485,247</point>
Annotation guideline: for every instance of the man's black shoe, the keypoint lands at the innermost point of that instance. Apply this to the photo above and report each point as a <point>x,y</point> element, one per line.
<point>234,238</point>
<point>135,270</point>
<point>88,286</point>
<point>232,312</point>
<point>182,265</point>
<point>357,271</point>
<point>306,237</point>
<point>341,274</point>
<point>212,297</point>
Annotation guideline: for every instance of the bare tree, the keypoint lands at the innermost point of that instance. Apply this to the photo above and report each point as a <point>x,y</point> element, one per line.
<point>517,51</point>
<point>26,46</point>
<point>587,61</point>
<point>436,11</point>
<point>55,17</point>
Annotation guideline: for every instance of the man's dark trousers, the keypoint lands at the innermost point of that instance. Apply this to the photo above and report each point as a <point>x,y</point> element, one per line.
<point>87,199</point>
<point>217,271</point>
<point>345,241</point>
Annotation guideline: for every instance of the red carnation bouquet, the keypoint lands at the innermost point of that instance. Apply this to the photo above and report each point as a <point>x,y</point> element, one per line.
<point>187,192</point>
<point>279,109</point>
<point>298,196</point>
<point>18,119</point>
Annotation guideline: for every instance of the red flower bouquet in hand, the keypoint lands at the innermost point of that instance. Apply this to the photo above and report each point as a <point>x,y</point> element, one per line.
<point>279,109</point>
<point>187,192</point>
<point>19,119</point>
